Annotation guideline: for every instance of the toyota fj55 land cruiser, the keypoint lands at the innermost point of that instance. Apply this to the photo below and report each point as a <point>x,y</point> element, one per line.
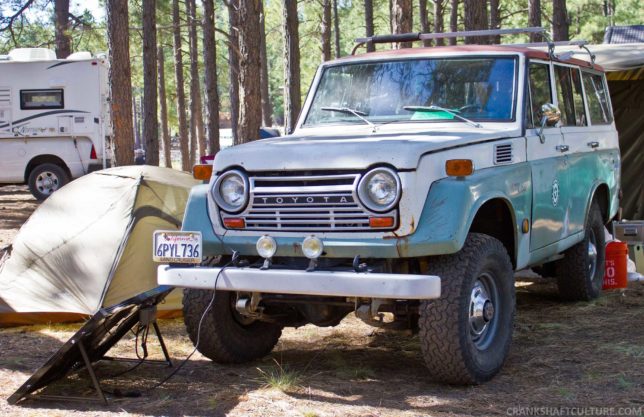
<point>414,185</point>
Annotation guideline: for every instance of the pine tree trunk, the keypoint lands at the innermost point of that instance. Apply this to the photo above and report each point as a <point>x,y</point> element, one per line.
<point>210,76</point>
<point>63,38</point>
<point>292,100</point>
<point>163,109</point>
<point>453,19</point>
<point>476,19</point>
<point>233,66</point>
<point>325,30</point>
<point>120,81</point>
<point>368,21</point>
<point>560,23</point>
<point>181,95</point>
<point>267,105</point>
<point>401,17</point>
<point>250,98</point>
<point>424,20</point>
<point>495,20</point>
<point>439,24</point>
<point>197,135</point>
<point>336,26</point>
<point>150,120</point>
<point>534,18</point>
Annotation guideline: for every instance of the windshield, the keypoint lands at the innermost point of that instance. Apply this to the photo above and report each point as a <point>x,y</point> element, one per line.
<point>480,89</point>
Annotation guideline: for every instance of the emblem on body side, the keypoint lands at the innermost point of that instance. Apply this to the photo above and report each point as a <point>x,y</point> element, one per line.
<point>555,193</point>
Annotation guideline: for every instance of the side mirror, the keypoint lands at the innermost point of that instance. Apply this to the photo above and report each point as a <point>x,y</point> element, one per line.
<point>550,116</point>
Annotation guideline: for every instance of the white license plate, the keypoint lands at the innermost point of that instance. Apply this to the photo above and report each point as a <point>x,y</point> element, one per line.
<point>177,247</point>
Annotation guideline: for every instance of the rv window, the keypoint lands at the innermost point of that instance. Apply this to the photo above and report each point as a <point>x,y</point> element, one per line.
<point>41,99</point>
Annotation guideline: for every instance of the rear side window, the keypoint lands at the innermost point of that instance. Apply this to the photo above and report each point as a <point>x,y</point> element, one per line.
<point>597,99</point>
<point>42,99</point>
<point>570,96</point>
<point>540,92</point>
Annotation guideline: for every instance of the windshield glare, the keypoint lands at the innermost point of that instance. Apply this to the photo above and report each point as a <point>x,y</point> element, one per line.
<point>480,89</point>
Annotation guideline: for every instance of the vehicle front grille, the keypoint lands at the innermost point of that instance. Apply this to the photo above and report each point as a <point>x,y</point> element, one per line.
<point>305,203</point>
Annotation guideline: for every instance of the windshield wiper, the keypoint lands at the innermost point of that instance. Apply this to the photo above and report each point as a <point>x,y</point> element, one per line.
<point>443,109</point>
<point>347,110</point>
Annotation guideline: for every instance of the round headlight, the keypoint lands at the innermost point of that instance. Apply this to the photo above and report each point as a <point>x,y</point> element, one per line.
<point>266,246</point>
<point>312,247</point>
<point>379,189</point>
<point>231,191</point>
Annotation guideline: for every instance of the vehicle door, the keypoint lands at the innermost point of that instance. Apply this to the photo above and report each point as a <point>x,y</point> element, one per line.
<point>547,161</point>
<point>12,164</point>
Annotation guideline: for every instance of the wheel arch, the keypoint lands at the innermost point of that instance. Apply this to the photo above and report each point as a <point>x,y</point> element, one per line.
<point>45,159</point>
<point>495,217</point>
<point>601,194</point>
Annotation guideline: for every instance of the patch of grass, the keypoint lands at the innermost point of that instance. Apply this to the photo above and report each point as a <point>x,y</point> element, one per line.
<point>310,414</point>
<point>632,351</point>
<point>344,370</point>
<point>280,377</point>
<point>624,383</point>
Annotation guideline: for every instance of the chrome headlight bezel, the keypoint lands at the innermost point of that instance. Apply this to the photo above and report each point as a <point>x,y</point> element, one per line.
<point>219,199</point>
<point>363,193</point>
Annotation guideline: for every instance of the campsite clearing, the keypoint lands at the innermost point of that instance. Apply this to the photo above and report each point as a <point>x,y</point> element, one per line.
<point>578,355</point>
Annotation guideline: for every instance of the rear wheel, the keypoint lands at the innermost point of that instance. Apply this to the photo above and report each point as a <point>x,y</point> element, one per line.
<point>466,334</point>
<point>226,336</point>
<point>581,272</point>
<point>46,178</point>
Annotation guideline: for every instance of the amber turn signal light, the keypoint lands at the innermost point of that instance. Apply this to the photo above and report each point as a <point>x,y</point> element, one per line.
<point>459,167</point>
<point>234,223</point>
<point>378,222</point>
<point>202,172</point>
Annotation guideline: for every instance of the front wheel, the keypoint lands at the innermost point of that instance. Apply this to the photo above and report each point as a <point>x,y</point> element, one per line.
<point>465,335</point>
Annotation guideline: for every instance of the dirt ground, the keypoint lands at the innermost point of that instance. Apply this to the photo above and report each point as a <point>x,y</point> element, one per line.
<point>575,358</point>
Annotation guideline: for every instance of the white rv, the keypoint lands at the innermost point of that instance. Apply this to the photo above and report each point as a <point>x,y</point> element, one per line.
<point>54,118</point>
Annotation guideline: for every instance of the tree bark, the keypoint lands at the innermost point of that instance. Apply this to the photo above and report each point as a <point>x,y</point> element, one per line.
<point>250,100</point>
<point>495,20</point>
<point>120,81</point>
<point>267,105</point>
<point>150,120</point>
<point>325,30</point>
<point>453,19</point>
<point>401,18</point>
<point>197,134</point>
<point>439,24</point>
<point>424,21</point>
<point>210,76</point>
<point>534,18</point>
<point>336,26</point>
<point>475,19</point>
<point>233,66</point>
<point>63,37</point>
<point>368,23</point>
<point>292,99</point>
<point>163,109</point>
<point>560,23</point>
<point>181,95</point>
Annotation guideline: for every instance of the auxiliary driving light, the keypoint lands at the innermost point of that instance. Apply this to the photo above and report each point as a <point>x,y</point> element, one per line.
<point>266,246</point>
<point>312,247</point>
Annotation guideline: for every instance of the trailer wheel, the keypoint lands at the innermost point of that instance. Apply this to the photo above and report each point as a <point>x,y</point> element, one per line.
<point>226,337</point>
<point>581,272</point>
<point>465,335</point>
<point>46,178</point>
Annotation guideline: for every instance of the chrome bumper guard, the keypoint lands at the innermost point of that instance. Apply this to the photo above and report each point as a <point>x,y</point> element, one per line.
<point>291,281</point>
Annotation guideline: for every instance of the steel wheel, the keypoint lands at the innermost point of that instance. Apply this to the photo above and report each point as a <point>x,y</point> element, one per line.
<point>47,182</point>
<point>482,311</point>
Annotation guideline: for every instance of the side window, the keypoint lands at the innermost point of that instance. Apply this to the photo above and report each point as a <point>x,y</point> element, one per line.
<point>41,99</point>
<point>570,96</point>
<point>540,93</point>
<point>597,100</point>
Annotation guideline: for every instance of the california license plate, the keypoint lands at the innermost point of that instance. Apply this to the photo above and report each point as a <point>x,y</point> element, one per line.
<point>177,247</point>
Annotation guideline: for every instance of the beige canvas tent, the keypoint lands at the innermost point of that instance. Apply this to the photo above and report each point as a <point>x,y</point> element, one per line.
<point>90,245</point>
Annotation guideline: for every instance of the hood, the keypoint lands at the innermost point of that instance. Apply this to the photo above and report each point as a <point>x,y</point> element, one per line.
<point>349,151</point>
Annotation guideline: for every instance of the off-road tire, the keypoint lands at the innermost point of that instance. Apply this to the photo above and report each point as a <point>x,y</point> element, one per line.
<point>574,278</point>
<point>223,338</point>
<point>444,328</point>
<point>60,175</point>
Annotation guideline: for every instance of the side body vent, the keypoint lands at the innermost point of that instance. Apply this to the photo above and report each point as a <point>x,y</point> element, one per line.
<point>503,154</point>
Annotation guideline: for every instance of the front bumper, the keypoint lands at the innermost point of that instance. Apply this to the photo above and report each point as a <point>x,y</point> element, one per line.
<point>290,281</point>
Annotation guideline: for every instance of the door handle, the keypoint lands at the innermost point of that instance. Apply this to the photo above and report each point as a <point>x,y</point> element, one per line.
<point>594,144</point>
<point>562,148</point>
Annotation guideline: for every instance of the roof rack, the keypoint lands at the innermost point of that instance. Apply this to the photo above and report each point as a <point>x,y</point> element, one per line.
<point>417,36</point>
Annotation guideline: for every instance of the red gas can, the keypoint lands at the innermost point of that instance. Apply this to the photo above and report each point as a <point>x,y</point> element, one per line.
<point>616,275</point>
